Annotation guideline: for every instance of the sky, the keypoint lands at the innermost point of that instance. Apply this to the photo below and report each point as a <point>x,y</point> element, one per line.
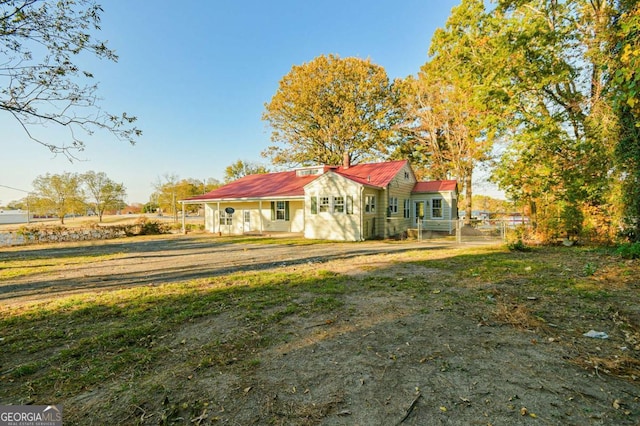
<point>197,75</point>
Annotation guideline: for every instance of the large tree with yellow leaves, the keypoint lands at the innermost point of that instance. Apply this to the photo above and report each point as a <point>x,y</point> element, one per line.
<point>330,107</point>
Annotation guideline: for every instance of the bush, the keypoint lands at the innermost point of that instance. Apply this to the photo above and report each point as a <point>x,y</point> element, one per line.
<point>518,245</point>
<point>629,250</point>
<point>150,227</point>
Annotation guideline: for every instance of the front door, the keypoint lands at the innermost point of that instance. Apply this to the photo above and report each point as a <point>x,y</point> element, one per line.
<point>419,212</point>
<point>247,220</point>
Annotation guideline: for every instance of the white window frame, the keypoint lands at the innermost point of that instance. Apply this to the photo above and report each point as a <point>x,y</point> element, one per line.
<point>324,204</point>
<point>370,204</point>
<point>407,209</point>
<point>225,218</point>
<point>281,210</point>
<point>434,208</point>
<point>338,204</point>
<point>393,205</point>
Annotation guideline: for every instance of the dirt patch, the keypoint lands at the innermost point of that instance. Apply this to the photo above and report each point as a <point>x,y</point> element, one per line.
<point>450,350</point>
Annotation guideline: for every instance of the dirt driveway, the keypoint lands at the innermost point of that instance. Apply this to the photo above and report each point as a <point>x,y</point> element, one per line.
<point>165,259</point>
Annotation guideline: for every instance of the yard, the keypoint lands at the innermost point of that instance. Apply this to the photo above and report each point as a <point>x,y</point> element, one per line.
<point>202,330</point>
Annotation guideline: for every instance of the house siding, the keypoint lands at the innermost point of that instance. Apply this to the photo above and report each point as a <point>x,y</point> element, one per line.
<point>331,225</point>
<point>449,211</point>
<point>400,187</point>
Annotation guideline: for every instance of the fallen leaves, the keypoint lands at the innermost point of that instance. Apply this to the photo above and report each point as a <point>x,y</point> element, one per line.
<point>525,412</point>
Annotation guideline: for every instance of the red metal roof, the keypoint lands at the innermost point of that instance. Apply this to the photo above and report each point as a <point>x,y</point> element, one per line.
<point>375,174</point>
<point>288,184</point>
<point>435,186</point>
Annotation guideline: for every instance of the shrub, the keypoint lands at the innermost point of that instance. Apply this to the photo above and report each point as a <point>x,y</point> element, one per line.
<point>629,250</point>
<point>518,245</point>
<point>150,227</point>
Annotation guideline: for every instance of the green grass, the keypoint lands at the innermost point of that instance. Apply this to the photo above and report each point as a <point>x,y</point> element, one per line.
<point>78,342</point>
<point>24,267</point>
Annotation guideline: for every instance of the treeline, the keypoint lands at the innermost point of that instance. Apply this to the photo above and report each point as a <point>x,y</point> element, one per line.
<point>544,92</point>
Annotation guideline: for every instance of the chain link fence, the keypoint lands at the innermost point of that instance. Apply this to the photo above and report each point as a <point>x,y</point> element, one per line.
<point>455,231</point>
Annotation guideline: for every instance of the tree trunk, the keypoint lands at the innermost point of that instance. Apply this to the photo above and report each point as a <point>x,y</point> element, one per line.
<point>468,195</point>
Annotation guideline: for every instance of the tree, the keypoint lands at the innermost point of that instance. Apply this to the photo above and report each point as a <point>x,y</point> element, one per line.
<point>551,88</point>
<point>170,190</point>
<point>447,115</point>
<point>59,194</point>
<point>104,193</point>
<point>41,82</point>
<point>166,195</point>
<point>243,168</point>
<point>625,97</point>
<point>329,107</point>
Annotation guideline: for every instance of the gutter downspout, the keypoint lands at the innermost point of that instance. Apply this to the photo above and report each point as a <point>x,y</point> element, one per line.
<point>387,213</point>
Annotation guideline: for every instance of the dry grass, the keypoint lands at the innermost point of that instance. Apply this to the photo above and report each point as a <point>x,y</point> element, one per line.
<point>624,366</point>
<point>518,316</point>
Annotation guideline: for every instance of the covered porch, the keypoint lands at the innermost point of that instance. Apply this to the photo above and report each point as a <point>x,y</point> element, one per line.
<point>243,217</point>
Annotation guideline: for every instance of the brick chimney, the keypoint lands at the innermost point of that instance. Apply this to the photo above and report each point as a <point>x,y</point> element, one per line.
<point>346,161</point>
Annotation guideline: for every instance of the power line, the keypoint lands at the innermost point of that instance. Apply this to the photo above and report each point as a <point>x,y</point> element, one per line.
<point>15,189</point>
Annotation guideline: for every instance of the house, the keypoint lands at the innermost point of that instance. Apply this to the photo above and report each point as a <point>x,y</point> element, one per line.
<point>344,203</point>
<point>14,216</point>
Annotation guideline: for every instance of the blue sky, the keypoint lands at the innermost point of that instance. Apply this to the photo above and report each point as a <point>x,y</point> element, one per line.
<point>197,75</point>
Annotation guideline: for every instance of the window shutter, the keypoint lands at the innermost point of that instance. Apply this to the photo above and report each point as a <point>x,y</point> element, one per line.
<point>273,210</point>
<point>286,210</point>
<point>314,205</point>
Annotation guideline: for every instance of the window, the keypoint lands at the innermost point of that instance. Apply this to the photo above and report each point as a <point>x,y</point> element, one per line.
<point>323,204</point>
<point>279,210</point>
<point>370,204</point>
<point>407,209</point>
<point>337,204</point>
<point>225,218</point>
<point>393,205</point>
<point>436,208</point>
<point>349,204</point>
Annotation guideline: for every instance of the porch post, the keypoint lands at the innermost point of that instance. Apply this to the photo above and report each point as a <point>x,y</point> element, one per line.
<point>184,226</point>
<point>260,209</point>
<point>217,221</point>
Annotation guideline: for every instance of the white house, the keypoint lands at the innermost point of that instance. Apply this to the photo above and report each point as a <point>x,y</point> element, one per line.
<point>344,203</point>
